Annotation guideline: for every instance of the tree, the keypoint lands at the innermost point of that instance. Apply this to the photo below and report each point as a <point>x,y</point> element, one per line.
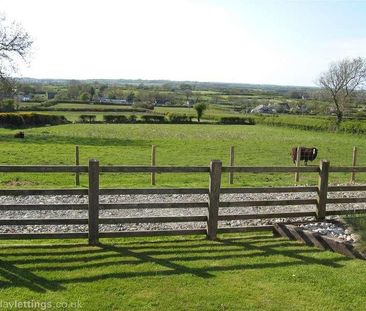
<point>200,109</point>
<point>84,96</point>
<point>92,93</point>
<point>15,45</point>
<point>187,90</point>
<point>342,81</point>
<point>130,97</point>
<point>7,105</point>
<point>74,89</point>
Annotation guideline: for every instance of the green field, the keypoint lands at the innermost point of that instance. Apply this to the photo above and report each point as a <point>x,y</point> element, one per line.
<point>238,272</point>
<point>74,116</point>
<point>88,106</point>
<point>182,145</point>
<point>212,113</point>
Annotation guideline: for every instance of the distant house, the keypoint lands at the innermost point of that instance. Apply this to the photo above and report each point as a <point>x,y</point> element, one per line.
<point>106,100</point>
<point>118,101</point>
<point>262,109</point>
<point>51,95</point>
<point>26,98</point>
<point>272,108</point>
<point>23,98</point>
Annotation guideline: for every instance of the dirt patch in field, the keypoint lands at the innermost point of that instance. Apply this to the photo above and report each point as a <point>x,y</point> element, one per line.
<point>17,183</point>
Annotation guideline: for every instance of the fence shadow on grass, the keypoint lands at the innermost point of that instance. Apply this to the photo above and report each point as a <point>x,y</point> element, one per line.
<point>25,266</point>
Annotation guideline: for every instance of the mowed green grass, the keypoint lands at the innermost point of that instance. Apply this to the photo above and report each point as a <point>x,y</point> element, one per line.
<point>177,145</point>
<point>238,272</point>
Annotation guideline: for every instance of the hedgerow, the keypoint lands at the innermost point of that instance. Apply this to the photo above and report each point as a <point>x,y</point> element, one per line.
<point>314,123</point>
<point>236,120</point>
<point>178,118</point>
<point>30,119</point>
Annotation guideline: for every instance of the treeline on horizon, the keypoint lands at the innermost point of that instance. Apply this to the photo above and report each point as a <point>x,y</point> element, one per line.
<point>158,91</point>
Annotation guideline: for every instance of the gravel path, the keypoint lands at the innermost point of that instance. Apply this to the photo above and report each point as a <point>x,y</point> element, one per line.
<point>158,212</point>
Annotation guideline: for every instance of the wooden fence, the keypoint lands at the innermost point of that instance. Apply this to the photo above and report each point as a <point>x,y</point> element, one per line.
<point>213,204</point>
<point>231,164</point>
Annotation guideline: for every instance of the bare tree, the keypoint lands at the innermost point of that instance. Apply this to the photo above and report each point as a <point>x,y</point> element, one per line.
<point>342,81</point>
<point>15,45</point>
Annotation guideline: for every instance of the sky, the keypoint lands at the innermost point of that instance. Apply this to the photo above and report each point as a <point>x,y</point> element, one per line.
<point>260,42</point>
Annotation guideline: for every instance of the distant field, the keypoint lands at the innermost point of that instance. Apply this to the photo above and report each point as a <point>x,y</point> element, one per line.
<point>88,106</point>
<point>74,115</point>
<point>213,111</point>
<point>23,105</point>
<point>194,144</point>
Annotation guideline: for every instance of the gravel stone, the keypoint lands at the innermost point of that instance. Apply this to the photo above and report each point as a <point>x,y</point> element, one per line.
<point>323,228</point>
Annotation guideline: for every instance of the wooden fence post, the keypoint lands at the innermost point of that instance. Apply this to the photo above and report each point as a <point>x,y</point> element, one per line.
<point>153,163</point>
<point>77,163</point>
<point>298,157</point>
<point>213,198</point>
<point>354,160</point>
<point>322,190</point>
<point>93,215</point>
<point>231,174</point>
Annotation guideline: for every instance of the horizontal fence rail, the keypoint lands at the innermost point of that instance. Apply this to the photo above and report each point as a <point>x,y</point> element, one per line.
<point>346,188</point>
<point>269,203</point>
<point>16,192</point>
<point>270,169</point>
<point>154,169</point>
<point>44,221</point>
<point>269,189</point>
<point>49,207</point>
<point>347,169</point>
<point>154,219</point>
<point>154,205</point>
<point>211,204</point>
<point>42,169</point>
<point>153,191</point>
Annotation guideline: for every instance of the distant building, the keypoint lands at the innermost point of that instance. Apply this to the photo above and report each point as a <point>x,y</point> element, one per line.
<point>272,108</point>
<point>23,98</point>
<point>51,95</point>
<point>106,100</point>
<point>262,109</point>
<point>26,98</point>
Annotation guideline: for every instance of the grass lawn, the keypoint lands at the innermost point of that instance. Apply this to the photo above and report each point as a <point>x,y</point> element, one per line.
<point>238,272</point>
<point>195,144</point>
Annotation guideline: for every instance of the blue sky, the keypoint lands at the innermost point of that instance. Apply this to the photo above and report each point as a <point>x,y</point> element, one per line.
<point>269,42</point>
